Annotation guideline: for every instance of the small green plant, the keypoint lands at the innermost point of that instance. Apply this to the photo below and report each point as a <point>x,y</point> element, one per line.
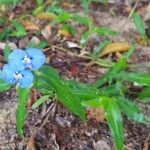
<point>107,92</point>
<point>26,69</point>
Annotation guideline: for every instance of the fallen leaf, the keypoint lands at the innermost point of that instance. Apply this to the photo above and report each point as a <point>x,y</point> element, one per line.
<point>35,40</point>
<point>12,45</point>
<point>63,33</point>
<point>33,97</point>
<point>115,47</point>
<point>139,40</point>
<point>67,5</point>
<point>72,45</point>
<point>101,145</point>
<point>29,25</point>
<point>49,1</point>
<point>47,16</point>
<point>46,32</point>
<point>23,42</point>
<point>97,114</point>
<point>31,143</point>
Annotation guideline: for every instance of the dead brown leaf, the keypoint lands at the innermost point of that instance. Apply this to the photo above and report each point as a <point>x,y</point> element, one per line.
<point>33,97</point>
<point>46,16</point>
<point>30,26</point>
<point>31,143</point>
<point>64,33</point>
<point>115,47</point>
<point>96,113</point>
<point>46,32</point>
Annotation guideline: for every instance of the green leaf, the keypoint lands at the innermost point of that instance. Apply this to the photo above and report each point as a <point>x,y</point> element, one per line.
<point>83,20</point>
<point>139,25</point>
<point>114,90</point>
<point>21,113</point>
<point>64,93</point>
<point>63,17</point>
<point>96,103</point>
<point>4,86</point>
<point>40,45</point>
<point>39,3</point>
<point>131,110</point>
<point>20,30</point>
<point>83,91</point>
<point>101,31</point>
<point>100,47</point>
<point>6,52</point>
<point>4,34</point>
<point>54,9</point>
<point>40,101</point>
<point>114,120</point>
<point>85,4</point>
<point>141,78</point>
<point>43,87</point>
<point>145,95</point>
<point>84,38</point>
<point>117,67</point>
<point>14,2</point>
<point>113,117</point>
<point>101,1</point>
<point>103,63</point>
<point>120,65</point>
<point>69,28</point>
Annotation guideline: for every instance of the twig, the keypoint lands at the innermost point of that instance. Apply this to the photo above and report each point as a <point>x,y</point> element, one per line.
<point>100,62</point>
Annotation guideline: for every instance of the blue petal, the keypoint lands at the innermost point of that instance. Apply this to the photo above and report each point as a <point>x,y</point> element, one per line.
<point>37,57</point>
<point>16,59</point>
<point>27,79</point>
<point>7,74</point>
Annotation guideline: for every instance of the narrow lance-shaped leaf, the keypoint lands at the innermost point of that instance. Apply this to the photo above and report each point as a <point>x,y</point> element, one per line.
<point>100,47</point>
<point>121,64</point>
<point>5,33</point>
<point>84,38</point>
<point>113,117</point>
<point>65,95</point>
<point>82,20</point>
<point>85,4</point>
<point>21,112</point>
<point>144,96</point>
<point>113,90</point>
<point>83,91</point>
<point>101,31</point>
<point>114,120</point>
<point>139,25</point>
<point>20,30</point>
<point>141,78</point>
<point>40,101</point>
<point>6,51</point>
<point>4,86</point>
<point>117,67</point>
<point>95,102</point>
<point>131,110</point>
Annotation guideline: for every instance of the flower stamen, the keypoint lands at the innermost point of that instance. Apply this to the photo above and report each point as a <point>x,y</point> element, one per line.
<point>26,59</point>
<point>17,76</point>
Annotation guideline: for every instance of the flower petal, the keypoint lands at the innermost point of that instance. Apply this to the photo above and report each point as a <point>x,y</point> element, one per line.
<point>26,80</point>
<point>16,59</point>
<point>37,57</point>
<point>7,74</point>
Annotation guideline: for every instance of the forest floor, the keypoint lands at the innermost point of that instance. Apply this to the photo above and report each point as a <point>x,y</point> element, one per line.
<point>51,126</point>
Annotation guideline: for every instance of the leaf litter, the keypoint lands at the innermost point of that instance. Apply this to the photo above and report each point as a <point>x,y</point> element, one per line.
<point>78,136</point>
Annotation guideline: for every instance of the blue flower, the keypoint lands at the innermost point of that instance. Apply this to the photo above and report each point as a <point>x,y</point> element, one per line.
<point>23,78</point>
<point>31,58</point>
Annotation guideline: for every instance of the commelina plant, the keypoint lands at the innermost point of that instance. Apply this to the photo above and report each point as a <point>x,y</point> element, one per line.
<point>26,69</point>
